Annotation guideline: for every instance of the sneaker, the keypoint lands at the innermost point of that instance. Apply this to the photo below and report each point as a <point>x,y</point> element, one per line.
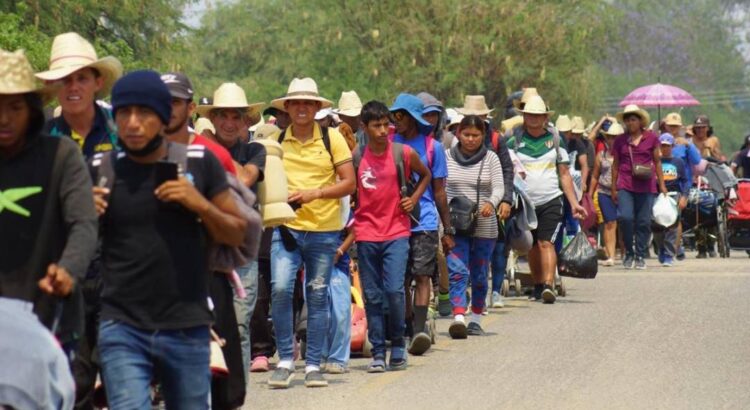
<point>711,254</point>
<point>548,295</point>
<point>281,378</point>
<point>377,365</point>
<point>667,262</point>
<point>640,264</point>
<point>315,379</point>
<point>681,254</point>
<point>628,262</point>
<point>444,305</point>
<point>398,359</point>
<point>259,365</point>
<point>474,329</point>
<point>457,330</point>
<point>608,262</point>
<point>335,368</point>
<point>420,344</point>
<point>497,300</point>
<point>537,293</point>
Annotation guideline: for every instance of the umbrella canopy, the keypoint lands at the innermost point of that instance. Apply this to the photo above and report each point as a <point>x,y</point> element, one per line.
<point>659,95</point>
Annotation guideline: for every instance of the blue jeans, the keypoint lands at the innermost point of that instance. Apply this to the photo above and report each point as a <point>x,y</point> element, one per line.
<point>634,217</point>
<point>382,266</point>
<point>470,257</point>
<point>499,263</point>
<point>244,308</point>
<point>314,250</point>
<point>339,338</point>
<point>131,358</point>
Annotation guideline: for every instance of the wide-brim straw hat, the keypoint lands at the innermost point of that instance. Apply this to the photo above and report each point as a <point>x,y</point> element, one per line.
<point>615,129</point>
<point>563,123</point>
<point>350,105</point>
<point>474,105</point>
<point>17,76</point>
<point>536,105</point>
<point>301,89</point>
<point>71,52</point>
<point>229,95</point>
<point>578,125</point>
<point>634,109</point>
<point>528,92</point>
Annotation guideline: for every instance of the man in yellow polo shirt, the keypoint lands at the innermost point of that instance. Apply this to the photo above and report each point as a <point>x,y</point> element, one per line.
<point>319,170</point>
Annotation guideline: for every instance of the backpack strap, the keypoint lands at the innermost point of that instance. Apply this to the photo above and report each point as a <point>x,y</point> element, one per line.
<point>324,136</point>
<point>357,155</point>
<point>556,144</point>
<point>397,151</point>
<point>430,151</point>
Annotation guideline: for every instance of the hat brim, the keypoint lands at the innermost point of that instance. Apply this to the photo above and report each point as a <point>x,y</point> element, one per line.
<point>205,110</point>
<point>432,108</point>
<point>669,124</point>
<point>415,115</point>
<point>109,67</point>
<point>353,112</point>
<point>279,102</point>
<point>538,112</point>
<point>46,92</point>
<point>467,111</point>
<point>643,115</point>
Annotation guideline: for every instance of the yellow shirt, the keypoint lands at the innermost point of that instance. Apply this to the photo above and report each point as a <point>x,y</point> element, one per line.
<point>308,165</point>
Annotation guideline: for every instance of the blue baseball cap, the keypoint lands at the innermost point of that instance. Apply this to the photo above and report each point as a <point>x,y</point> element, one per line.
<point>411,104</point>
<point>666,139</point>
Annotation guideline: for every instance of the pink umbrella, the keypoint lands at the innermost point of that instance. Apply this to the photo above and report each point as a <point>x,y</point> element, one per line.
<point>659,95</point>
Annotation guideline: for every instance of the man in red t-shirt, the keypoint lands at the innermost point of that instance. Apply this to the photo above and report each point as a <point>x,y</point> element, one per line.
<point>382,229</point>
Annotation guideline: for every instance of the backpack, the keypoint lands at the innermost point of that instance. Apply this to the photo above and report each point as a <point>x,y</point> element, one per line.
<point>429,146</point>
<point>407,186</point>
<point>221,257</point>
<point>324,135</point>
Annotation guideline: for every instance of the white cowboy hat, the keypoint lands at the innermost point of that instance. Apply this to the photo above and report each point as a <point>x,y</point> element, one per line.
<point>301,89</point>
<point>536,105</point>
<point>474,105</point>
<point>17,76</point>
<point>229,95</point>
<point>563,123</point>
<point>578,126</point>
<point>202,124</point>
<point>349,104</point>
<point>615,129</point>
<point>71,52</point>
<point>634,109</point>
<point>528,92</point>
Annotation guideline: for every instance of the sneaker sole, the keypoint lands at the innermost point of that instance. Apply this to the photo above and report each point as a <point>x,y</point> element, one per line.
<point>316,383</point>
<point>420,344</point>
<point>498,305</point>
<point>396,368</point>
<point>549,297</point>
<point>457,331</point>
<point>281,384</point>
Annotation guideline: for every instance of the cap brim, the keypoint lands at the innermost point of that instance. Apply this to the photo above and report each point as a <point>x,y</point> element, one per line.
<point>180,94</point>
<point>432,108</point>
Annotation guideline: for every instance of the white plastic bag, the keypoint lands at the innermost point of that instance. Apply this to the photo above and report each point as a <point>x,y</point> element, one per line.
<point>664,211</point>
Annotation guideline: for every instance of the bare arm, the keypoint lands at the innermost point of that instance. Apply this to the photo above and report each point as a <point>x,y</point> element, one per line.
<point>615,174</point>
<point>595,174</point>
<point>567,186</point>
<point>583,161</point>
<point>251,173</point>
<point>425,176</point>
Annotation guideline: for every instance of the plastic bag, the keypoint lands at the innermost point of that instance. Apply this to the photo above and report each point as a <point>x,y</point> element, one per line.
<point>520,240</point>
<point>665,211</point>
<point>578,259</point>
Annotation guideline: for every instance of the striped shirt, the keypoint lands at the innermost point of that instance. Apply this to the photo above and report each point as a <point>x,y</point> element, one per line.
<point>462,180</point>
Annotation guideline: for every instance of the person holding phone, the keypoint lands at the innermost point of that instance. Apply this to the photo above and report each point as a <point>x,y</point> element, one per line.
<point>155,309</point>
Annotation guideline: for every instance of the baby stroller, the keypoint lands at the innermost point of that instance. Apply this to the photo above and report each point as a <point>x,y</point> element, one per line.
<point>738,218</point>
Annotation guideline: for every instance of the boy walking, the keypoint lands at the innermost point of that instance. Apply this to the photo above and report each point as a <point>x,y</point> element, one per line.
<point>675,178</point>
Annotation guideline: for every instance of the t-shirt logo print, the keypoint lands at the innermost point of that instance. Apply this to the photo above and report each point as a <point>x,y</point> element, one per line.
<point>9,197</point>
<point>368,179</point>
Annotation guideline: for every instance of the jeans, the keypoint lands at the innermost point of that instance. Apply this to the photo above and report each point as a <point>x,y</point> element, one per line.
<point>244,308</point>
<point>382,267</point>
<point>634,213</point>
<point>262,342</point>
<point>499,263</point>
<point>339,338</point>
<point>314,250</point>
<point>470,257</point>
<point>131,357</point>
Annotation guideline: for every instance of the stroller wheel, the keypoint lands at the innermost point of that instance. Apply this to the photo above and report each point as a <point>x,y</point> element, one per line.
<point>519,288</point>
<point>561,290</point>
<point>505,289</point>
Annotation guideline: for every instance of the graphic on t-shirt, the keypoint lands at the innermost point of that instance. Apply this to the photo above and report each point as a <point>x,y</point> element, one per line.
<point>368,179</point>
<point>9,197</point>
<point>669,171</point>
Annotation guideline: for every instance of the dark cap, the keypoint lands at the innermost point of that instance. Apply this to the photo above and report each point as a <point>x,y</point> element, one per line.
<point>179,85</point>
<point>701,121</point>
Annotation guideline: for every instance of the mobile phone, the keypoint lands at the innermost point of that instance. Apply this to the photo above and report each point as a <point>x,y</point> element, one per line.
<point>165,171</point>
<point>295,205</point>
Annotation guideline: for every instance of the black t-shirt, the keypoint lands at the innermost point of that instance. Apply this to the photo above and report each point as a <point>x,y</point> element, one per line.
<point>578,147</point>
<point>253,153</point>
<point>154,254</point>
<point>743,161</point>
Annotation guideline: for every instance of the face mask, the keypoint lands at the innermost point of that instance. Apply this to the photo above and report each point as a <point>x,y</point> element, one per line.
<point>152,146</point>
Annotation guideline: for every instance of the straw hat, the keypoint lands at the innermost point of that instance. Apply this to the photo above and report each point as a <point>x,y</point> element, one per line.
<point>527,94</point>
<point>579,127</point>
<point>325,112</point>
<point>563,123</point>
<point>202,124</point>
<point>301,89</point>
<point>17,76</point>
<point>536,105</point>
<point>634,109</point>
<point>673,118</point>
<point>349,104</point>
<point>474,105</point>
<point>229,95</point>
<point>71,52</point>
<point>615,129</point>
<point>266,131</point>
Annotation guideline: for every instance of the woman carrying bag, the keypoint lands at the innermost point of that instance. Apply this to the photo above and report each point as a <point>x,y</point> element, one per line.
<point>636,169</point>
<point>475,189</point>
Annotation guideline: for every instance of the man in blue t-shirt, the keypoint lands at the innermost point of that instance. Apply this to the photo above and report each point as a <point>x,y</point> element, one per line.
<point>407,113</point>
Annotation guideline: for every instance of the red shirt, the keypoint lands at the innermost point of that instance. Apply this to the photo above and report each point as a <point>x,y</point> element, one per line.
<point>219,152</point>
<point>378,217</point>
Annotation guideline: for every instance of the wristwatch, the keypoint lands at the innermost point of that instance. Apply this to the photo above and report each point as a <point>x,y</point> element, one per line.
<point>449,231</point>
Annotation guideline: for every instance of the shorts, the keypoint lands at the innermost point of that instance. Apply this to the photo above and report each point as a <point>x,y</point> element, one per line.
<point>423,248</point>
<point>608,207</point>
<point>549,220</point>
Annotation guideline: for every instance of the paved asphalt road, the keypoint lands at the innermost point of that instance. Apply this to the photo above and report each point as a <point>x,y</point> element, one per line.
<point>664,338</point>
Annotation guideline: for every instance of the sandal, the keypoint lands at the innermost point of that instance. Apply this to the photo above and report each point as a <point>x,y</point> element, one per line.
<point>376,366</point>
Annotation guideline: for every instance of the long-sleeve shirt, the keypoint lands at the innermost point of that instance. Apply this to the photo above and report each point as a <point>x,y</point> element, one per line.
<point>462,180</point>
